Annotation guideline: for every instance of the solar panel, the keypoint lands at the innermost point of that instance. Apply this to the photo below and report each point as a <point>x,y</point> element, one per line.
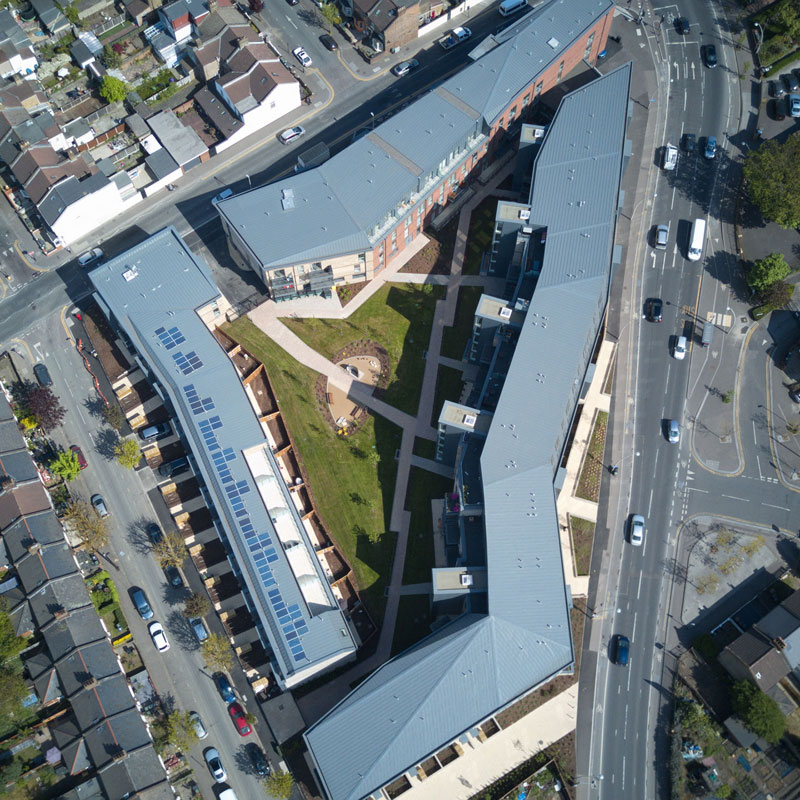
<point>170,338</point>
<point>187,362</point>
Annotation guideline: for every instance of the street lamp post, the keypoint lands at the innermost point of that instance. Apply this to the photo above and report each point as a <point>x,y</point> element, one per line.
<point>372,114</point>
<point>249,182</point>
<point>759,35</point>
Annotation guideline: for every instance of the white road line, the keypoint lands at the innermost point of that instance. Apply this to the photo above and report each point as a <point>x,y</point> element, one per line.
<point>731,497</point>
<point>754,433</point>
<point>80,414</point>
<point>782,508</point>
<point>292,23</point>
<point>650,504</point>
<point>692,489</point>
<point>639,590</point>
<point>760,473</point>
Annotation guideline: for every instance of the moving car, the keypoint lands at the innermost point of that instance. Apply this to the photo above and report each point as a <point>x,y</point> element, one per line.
<point>198,629</point>
<point>662,234</point>
<point>223,195</point>
<point>82,463</point>
<point>292,2</point>
<point>197,724</point>
<point>793,104</point>
<point>404,67</point>
<point>680,348</point>
<point>158,636</point>
<point>328,42</point>
<point>152,433</point>
<point>622,648</point>
<point>303,57</point>
<point>711,147</point>
<point>99,506</point>
<point>291,134</point>
<point>653,309</point>
<point>140,601</point>
<point>710,56</point>
<point>215,764</point>
<point>42,375</point>
<point>456,36</point>
<point>257,760</point>
<point>239,719</point>
<point>637,530</point>
<point>154,532</point>
<point>224,687</point>
<point>90,256</point>
<point>682,26</point>
<point>670,157</point>
<point>673,431</point>
<point>174,577</point>
<point>689,142</point>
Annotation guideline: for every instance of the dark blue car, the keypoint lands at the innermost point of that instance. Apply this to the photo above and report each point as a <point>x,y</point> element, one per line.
<point>623,645</point>
<point>224,687</point>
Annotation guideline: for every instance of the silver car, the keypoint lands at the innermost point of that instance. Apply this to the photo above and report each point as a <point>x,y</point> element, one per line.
<point>673,431</point>
<point>662,234</point>
<point>637,530</point>
<point>197,724</point>
<point>215,764</point>
<point>404,67</point>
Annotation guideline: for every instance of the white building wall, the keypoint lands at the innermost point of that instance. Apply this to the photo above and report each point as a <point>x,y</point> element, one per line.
<point>88,213</point>
<point>22,64</point>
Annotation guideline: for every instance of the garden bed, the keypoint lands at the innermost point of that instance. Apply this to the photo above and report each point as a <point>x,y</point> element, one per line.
<point>582,534</point>
<point>437,256</point>
<point>588,487</point>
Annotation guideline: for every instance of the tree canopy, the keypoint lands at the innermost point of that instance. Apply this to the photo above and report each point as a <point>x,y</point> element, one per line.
<point>39,403</point>
<point>279,784</point>
<point>759,712</point>
<point>170,551</point>
<point>196,605</point>
<point>113,415</point>
<point>180,731</point>
<point>10,644</point>
<point>766,271</point>
<point>65,465</point>
<point>112,89</point>
<point>89,527</point>
<point>127,453</point>
<point>772,172</point>
<point>216,650</point>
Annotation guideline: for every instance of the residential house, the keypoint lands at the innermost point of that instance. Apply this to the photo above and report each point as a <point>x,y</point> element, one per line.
<point>16,52</point>
<point>177,23</point>
<point>384,24</point>
<point>51,17</point>
<point>184,146</point>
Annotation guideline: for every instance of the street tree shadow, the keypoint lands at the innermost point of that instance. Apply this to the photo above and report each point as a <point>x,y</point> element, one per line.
<point>181,631</point>
<point>242,760</point>
<point>105,443</point>
<point>138,536</point>
<point>95,407</point>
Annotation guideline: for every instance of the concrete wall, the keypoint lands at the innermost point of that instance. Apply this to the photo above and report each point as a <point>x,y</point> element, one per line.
<point>88,213</point>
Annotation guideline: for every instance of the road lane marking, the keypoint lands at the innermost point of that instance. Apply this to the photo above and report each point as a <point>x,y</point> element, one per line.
<point>782,508</point>
<point>755,441</point>
<point>760,473</point>
<point>650,504</point>
<point>290,22</point>
<point>693,489</point>
<point>731,497</point>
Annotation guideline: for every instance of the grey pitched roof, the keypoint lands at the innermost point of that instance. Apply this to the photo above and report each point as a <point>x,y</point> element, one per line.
<point>109,697</point>
<point>153,292</point>
<point>338,204</point>
<point>81,627</point>
<point>161,163</point>
<point>140,773</point>
<point>81,53</point>
<point>66,192</point>
<point>180,141</point>
<point>49,563</point>
<point>426,697</point>
<point>67,593</point>
<point>93,660</point>
<point>50,16</point>
<point>42,528</point>
<point>11,30</point>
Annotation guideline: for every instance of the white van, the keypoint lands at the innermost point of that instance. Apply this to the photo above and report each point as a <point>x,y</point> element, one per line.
<point>509,7</point>
<point>697,239</point>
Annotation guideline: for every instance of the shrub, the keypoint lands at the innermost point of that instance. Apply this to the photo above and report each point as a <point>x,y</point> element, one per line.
<point>706,646</point>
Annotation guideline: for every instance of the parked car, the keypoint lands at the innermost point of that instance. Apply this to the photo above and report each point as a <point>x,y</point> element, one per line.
<point>199,630</point>
<point>215,765</point>
<point>140,601</point>
<point>794,395</point>
<point>239,719</point>
<point>224,687</point>
<point>711,147</point>
<point>689,142</point>
<point>82,463</point>
<point>197,724</point>
<point>710,56</point>
<point>291,134</point>
<point>792,84</point>
<point>292,2</point>
<point>175,467</point>
<point>328,42</point>
<point>793,104</point>
<point>158,636</point>
<point>174,577</point>
<point>405,67</point>
<point>775,110</point>
<point>99,506</point>
<point>90,257</point>
<point>653,309</point>
<point>303,57</point>
<point>223,195</point>
<point>257,759</point>
<point>154,532</point>
<point>152,433</point>
<point>679,350</point>
<point>662,235</point>
<point>682,26</point>
<point>637,530</point>
<point>623,645</point>
<point>673,431</point>
<point>42,374</point>
<point>777,88</point>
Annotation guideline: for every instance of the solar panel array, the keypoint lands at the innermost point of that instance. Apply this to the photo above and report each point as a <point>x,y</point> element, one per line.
<point>198,404</point>
<point>260,545</point>
<point>187,362</point>
<point>170,338</point>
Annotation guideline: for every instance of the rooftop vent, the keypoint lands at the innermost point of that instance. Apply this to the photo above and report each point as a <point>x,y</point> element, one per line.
<point>553,42</point>
<point>130,274</point>
<point>524,213</point>
<point>466,580</point>
<point>287,199</point>
<point>505,313</point>
<point>470,420</point>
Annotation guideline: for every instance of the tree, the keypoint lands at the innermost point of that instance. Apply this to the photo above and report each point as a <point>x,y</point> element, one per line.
<point>71,13</point>
<point>279,784</point>
<point>10,644</point>
<point>112,89</point>
<point>110,57</point>
<point>779,294</point>
<point>170,551</point>
<point>127,452</point>
<point>43,405</point>
<point>113,415</point>
<point>65,465</point>
<point>330,13</point>
<point>216,650</point>
<point>256,5</point>
<point>88,526</point>
<point>180,731</point>
<point>759,712</point>
<point>13,691</point>
<point>766,271</point>
<point>772,172</point>
<point>196,605</point>
<point>784,17</point>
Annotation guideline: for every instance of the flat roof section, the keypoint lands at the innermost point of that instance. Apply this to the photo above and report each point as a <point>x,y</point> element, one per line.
<point>495,308</point>
<point>464,418</point>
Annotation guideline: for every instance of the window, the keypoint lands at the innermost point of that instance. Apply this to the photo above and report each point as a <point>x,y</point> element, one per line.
<point>502,123</point>
<point>302,269</point>
<point>560,70</point>
<point>511,114</point>
<point>526,99</point>
<point>394,240</point>
<point>538,89</point>
<point>589,43</point>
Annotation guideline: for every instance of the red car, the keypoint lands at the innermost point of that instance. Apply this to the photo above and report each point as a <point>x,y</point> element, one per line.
<point>239,719</point>
<point>79,453</point>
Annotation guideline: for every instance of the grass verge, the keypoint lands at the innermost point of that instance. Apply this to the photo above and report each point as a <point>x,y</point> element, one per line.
<point>399,318</point>
<point>413,621</point>
<point>354,499</point>
<point>592,471</point>
<point>448,387</point>
<point>582,531</point>
<point>454,339</point>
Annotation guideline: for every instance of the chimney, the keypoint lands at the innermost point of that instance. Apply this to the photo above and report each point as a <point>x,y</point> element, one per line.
<point>779,643</point>
<point>34,547</point>
<point>7,483</point>
<point>212,6</point>
<point>24,145</point>
<point>62,613</point>
<point>242,42</point>
<point>119,755</point>
<point>90,682</point>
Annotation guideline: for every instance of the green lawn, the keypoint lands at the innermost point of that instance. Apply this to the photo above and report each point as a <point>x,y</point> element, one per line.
<point>481,230</point>
<point>582,531</point>
<point>352,495</point>
<point>448,387</point>
<point>424,448</point>
<point>454,339</point>
<point>399,318</point>
<point>413,621</point>
<point>423,486</point>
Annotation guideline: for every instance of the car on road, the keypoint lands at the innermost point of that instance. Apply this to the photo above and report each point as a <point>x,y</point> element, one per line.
<point>793,104</point>
<point>90,256</point>
<point>682,26</point>
<point>711,147</point>
<point>777,88</point>
<point>670,157</point>
<point>405,67</point>
<point>689,142</point>
<point>154,532</point>
<point>637,530</point>
<point>239,719</point>
<point>328,42</point>
<point>215,764</point>
<point>775,110</point>
<point>292,2</point>
<point>673,431</point>
<point>679,351</point>
<point>792,84</point>
<point>303,57</point>
<point>223,195</point>
<point>140,601</point>
<point>257,759</point>
<point>152,433</point>
<point>99,506</point>
<point>794,395</point>
<point>42,374</point>
<point>710,56</point>
<point>197,724</point>
<point>652,309</point>
<point>662,234</point>
<point>174,577</point>
<point>622,649</point>
<point>224,687</point>
<point>158,636</point>
<point>290,134</point>
<point>82,463</point>
<point>199,630</point>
